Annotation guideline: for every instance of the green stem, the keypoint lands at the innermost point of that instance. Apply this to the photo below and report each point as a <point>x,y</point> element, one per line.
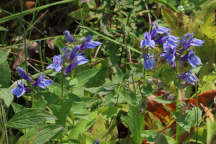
<point>62,85</point>
<point>3,122</point>
<point>197,116</point>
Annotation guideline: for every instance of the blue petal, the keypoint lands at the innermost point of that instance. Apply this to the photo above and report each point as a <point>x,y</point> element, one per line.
<point>19,90</point>
<point>69,68</point>
<point>152,43</point>
<point>146,65</point>
<point>197,42</point>
<point>162,30</point>
<point>74,52</point>
<point>23,74</point>
<point>42,82</point>
<point>93,44</point>
<point>58,69</point>
<point>66,51</point>
<point>68,36</point>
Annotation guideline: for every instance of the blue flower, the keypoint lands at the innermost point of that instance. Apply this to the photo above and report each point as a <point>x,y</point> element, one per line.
<point>149,61</point>
<point>97,141</point>
<point>19,90</point>
<point>23,74</point>
<point>170,55</point>
<point>188,40</point>
<point>66,52</point>
<point>192,59</point>
<point>42,82</point>
<point>68,36</point>
<point>197,42</point>
<point>74,52</point>
<point>88,43</point>
<point>147,41</point>
<point>189,77</point>
<point>169,41</point>
<point>75,60</point>
<point>57,63</point>
<point>156,29</point>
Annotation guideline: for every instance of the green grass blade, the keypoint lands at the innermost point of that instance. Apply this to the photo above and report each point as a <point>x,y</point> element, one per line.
<point>26,12</point>
<point>110,39</point>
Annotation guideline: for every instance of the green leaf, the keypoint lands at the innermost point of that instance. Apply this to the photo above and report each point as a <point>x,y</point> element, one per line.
<point>177,22</point>
<point>5,75</point>
<point>189,118</point>
<point>84,76</point>
<point>161,100</point>
<point>40,135</point>
<point>61,110</point>
<point>206,19</point>
<point>3,28</point>
<point>83,125</point>
<point>6,96</point>
<point>80,14</point>
<point>211,126</point>
<point>135,121</point>
<point>166,3</point>
<point>29,118</point>
<point>17,107</point>
<point>3,55</point>
<point>164,139</point>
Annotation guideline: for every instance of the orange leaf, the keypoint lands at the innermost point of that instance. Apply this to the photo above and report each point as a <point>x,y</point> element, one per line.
<point>208,112</point>
<point>204,97</point>
<point>158,110</point>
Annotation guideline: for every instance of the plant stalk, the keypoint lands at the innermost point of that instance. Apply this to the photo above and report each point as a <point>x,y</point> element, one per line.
<point>3,122</point>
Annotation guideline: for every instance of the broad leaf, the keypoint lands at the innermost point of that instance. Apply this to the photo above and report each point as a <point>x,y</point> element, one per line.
<point>40,135</point>
<point>5,74</point>
<point>6,96</point>
<point>3,55</point>
<point>29,118</point>
<point>189,118</point>
<point>84,76</point>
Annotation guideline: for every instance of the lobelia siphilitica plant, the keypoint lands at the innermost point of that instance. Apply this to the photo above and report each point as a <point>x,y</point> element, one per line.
<point>173,49</point>
<point>66,62</point>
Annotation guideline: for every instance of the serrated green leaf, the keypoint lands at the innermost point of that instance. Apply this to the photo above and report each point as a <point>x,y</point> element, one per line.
<point>189,118</point>
<point>47,133</point>
<point>29,118</point>
<point>17,107</point>
<point>40,135</point>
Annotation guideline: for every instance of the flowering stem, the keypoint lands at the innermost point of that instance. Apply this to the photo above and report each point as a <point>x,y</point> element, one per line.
<point>196,114</point>
<point>178,100</point>
<point>62,85</point>
<point>3,122</point>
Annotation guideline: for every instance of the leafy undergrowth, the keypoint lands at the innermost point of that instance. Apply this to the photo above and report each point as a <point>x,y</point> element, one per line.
<point>81,72</point>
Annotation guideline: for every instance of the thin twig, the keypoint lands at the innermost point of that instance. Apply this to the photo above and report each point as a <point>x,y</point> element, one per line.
<point>149,15</point>
<point>3,122</point>
<point>34,60</point>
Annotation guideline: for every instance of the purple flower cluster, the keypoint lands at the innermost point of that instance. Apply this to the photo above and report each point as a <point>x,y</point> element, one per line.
<point>70,59</point>
<point>21,89</point>
<point>173,49</point>
<point>74,57</point>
